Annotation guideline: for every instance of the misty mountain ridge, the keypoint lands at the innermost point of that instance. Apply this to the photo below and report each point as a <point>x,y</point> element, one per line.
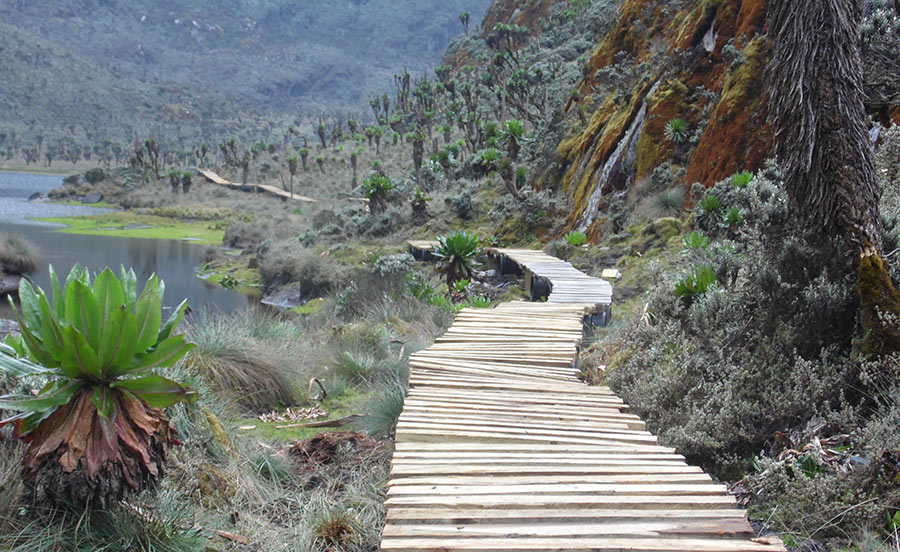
<point>124,67</point>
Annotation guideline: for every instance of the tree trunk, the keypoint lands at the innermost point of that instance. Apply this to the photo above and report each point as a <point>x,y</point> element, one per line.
<point>823,144</point>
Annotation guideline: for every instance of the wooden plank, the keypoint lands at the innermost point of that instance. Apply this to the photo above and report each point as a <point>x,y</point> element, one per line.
<point>654,528</point>
<point>445,544</point>
<point>500,447</point>
<point>452,516</point>
<point>702,502</point>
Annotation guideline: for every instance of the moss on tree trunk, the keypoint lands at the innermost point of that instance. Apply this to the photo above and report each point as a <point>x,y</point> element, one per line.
<point>880,307</point>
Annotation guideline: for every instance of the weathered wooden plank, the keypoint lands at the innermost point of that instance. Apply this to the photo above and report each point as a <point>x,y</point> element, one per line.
<point>596,544</point>
<point>655,528</point>
<point>501,448</point>
<point>452,516</point>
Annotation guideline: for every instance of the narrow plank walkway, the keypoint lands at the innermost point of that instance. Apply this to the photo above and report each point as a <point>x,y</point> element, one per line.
<point>261,188</point>
<point>500,447</point>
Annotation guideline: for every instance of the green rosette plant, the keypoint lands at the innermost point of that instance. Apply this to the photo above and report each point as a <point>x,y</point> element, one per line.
<point>95,429</point>
<point>456,255</point>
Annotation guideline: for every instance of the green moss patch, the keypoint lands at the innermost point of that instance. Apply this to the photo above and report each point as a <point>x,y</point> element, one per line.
<point>232,272</point>
<point>127,224</point>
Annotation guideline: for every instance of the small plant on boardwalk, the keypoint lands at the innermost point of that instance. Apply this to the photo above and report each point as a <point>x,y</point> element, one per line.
<point>480,302</point>
<point>741,179</point>
<point>695,284</point>
<point>457,254</point>
<point>17,255</point>
<point>576,238</point>
<point>676,131</point>
<point>96,431</point>
<point>378,189</point>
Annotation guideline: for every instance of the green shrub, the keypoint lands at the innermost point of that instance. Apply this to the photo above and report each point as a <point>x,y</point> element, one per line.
<point>709,211</point>
<point>734,217</point>
<point>696,240</point>
<point>676,130</point>
<point>480,302</point>
<point>576,238</point>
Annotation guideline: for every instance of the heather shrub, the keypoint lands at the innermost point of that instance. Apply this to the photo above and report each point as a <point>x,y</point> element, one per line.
<point>764,350</point>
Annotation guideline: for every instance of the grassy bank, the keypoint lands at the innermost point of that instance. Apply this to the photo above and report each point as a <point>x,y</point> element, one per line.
<point>128,224</point>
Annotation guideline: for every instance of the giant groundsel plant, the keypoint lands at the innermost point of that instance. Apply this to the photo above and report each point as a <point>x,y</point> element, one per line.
<point>95,429</point>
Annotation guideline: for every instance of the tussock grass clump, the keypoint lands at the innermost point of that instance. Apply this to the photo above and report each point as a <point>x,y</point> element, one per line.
<point>249,358</point>
<point>17,254</point>
<point>12,452</point>
<point>286,261</point>
<point>165,528</point>
<point>384,406</point>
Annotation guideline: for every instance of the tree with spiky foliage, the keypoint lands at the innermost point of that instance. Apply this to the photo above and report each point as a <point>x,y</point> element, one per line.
<point>320,131</point>
<point>237,159</point>
<point>186,180</point>
<point>464,19</point>
<point>354,163</point>
<point>512,135</point>
<point>292,169</point>
<point>96,431</point>
<point>456,255</point>
<point>417,139</point>
<point>378,188</point>
<point>823,143</point>
<point>304,158</point>
<point>174,180</point>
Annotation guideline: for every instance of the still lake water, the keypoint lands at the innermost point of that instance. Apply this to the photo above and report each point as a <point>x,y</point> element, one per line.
<point>172,260</point>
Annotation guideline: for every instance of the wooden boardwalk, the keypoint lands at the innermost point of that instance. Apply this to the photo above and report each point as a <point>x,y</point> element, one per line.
<point>260,188</point>
<point>500,447</point>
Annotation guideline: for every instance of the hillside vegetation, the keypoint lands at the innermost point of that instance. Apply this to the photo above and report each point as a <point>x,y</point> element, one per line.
<point>633,134</point>
<point>95,70</point>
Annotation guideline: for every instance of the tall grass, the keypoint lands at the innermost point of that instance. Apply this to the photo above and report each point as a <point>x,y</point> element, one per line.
<point>248,358</point>
<point>17,254</point>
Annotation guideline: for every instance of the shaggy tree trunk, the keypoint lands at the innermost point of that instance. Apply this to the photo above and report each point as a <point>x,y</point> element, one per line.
<point>76,457</point>
<point>823,144</point>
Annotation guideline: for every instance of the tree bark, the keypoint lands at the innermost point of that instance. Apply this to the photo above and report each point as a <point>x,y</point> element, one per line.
<point>822,142</point>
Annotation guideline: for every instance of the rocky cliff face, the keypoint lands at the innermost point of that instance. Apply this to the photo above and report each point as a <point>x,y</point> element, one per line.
<point>675,91</point>
<point>702,64</point>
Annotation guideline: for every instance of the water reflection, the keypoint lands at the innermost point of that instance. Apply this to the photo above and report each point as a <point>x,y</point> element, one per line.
<point>172,260</point>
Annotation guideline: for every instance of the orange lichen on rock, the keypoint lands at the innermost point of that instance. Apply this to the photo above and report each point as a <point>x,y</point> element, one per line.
<point>669,102</point>
<point>608,126</point>
<point>737,137</point>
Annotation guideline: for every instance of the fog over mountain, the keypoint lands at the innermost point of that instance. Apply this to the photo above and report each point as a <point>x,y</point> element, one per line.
<point>115,67</point>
